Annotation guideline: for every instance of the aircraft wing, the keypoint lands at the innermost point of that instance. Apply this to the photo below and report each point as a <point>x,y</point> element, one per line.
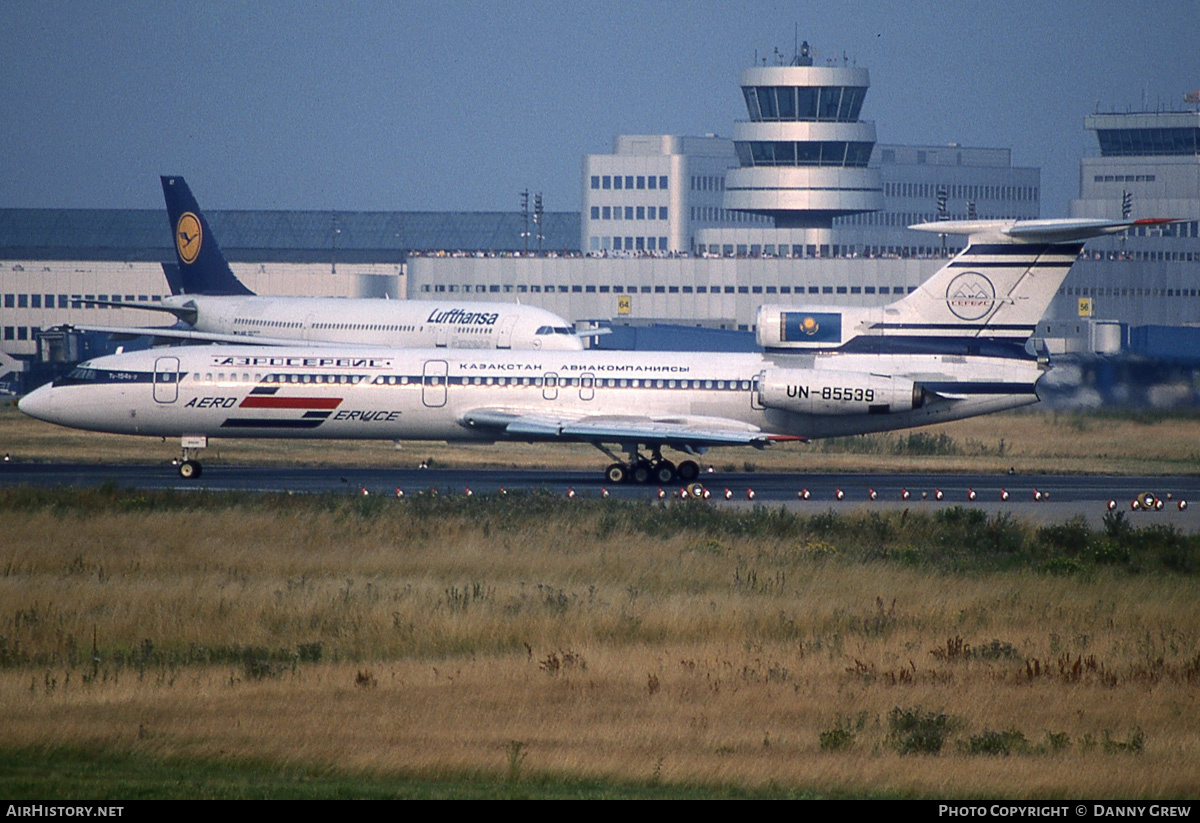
<point>171,333</point>
<point>683,432</point>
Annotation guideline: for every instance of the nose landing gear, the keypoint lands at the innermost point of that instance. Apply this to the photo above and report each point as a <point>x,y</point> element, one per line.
<point>189,467</point>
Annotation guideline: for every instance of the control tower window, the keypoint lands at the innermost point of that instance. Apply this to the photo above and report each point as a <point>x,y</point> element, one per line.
<point>789,103</point>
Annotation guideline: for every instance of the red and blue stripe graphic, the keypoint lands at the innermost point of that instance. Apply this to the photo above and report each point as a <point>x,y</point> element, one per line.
<point>316,410</point>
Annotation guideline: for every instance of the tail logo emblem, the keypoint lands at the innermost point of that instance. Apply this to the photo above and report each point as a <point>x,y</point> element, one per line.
<point>187,237</point>
<point>810,326</point>
<point>970,296</point>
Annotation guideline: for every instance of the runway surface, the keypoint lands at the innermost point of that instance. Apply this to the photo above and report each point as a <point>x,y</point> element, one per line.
<point>1043,497</point>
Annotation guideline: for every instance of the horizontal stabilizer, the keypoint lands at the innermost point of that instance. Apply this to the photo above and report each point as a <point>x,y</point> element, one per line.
<point>1067,230</point>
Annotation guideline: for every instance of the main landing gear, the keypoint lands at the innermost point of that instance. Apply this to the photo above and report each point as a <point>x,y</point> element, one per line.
<point>655,469</point>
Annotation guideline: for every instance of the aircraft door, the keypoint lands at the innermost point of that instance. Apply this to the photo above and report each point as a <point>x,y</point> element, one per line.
<point>587,386</point>
<point>504,333</point>
<point>550,386</point>
<point>166,379</point>
<point>755,392</point>
<point>433,384</point>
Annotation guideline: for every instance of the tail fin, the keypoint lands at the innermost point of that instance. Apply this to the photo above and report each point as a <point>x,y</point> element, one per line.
<point>174,278</point>
<point>202,267</point>
<point>1003,282</point>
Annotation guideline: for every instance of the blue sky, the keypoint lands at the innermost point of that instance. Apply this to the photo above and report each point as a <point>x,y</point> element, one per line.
<point>460,105</point>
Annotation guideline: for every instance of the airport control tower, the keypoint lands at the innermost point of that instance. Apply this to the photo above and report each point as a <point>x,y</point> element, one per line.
<point>804,152</point>
<point>803,155</point>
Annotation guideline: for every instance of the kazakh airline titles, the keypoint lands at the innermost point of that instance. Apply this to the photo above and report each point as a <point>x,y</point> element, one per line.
<point>954,348</point>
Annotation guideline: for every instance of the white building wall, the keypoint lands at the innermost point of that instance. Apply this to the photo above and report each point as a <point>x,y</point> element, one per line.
<point>720,292</point>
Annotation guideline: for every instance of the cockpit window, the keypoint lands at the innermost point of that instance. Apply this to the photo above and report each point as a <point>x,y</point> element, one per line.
<point>555,330</point>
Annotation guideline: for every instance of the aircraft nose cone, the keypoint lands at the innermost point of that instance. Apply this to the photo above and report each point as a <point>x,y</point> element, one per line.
<point>38,403</point>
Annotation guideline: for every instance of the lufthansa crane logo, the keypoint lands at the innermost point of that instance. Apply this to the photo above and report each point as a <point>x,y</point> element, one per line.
<point>810,326</point>
<point>971,296</point>
<point>187,237</point>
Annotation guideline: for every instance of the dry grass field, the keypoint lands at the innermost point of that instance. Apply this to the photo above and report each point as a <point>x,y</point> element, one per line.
<point>903,654</point>
<point>1028,441</point>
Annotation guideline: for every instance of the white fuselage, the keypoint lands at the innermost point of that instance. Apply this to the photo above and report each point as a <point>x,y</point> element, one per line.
<point>251,391</point>
<point>379,322</point>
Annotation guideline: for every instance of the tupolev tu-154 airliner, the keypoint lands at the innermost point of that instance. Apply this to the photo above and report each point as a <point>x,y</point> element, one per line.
<point>218,308</point>
<point>953,348</point>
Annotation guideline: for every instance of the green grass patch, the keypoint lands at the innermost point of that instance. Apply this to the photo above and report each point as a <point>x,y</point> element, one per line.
<point>72,774</point>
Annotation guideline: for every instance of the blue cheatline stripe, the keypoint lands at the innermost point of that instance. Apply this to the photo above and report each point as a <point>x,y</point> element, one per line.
<point>1011,264</point>
<point>104,376</point>
<point>962,387</point>
<point>1010,348</point>
<point>958,326</point>
<point>257,423</point>
<point>1029,249</point>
